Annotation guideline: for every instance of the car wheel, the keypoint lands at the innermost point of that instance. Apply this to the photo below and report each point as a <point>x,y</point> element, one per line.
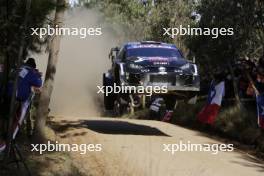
<point>110,98</point>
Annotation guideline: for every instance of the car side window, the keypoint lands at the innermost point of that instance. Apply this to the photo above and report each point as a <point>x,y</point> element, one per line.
<point>122,54</point>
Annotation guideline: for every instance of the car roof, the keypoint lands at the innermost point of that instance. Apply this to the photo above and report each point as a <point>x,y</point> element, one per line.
<point>149,44</point>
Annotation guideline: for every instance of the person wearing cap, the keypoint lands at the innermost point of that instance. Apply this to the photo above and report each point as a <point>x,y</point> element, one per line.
<point>29,79</point>
<point>157,108</point>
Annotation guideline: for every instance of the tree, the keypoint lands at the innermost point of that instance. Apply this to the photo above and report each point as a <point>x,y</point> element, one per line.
<point>147,22</point>
<point>12,14</point>
<point>43,107</point>
<point>16,19</point>
<point>243,16</point>
<point>19,63</point>
<point>247,23</point>
<point>170,14</point>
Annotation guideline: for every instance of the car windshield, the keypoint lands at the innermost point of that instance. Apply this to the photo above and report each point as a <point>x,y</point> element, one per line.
<point>153,52</point>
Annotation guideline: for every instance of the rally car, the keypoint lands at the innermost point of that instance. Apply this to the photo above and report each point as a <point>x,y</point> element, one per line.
<point>145,64</point>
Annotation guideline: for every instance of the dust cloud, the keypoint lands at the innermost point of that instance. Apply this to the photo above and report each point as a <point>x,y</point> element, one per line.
<point>80,66</point>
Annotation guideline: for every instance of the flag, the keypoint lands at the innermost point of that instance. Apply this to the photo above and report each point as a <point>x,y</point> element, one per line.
<point>210,110</point>
<point>168,116</point>
<point>260,110</point>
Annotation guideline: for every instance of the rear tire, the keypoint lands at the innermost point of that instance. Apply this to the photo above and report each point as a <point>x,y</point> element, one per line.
<point>109,99</point>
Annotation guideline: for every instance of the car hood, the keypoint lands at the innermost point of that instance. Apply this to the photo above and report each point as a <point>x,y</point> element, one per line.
<point>157,61</point>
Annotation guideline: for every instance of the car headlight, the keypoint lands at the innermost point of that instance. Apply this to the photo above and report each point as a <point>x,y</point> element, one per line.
<point>135,66</point>
<point>185,66</point>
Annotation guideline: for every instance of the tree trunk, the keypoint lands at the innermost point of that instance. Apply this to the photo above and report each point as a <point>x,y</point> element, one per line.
<point>19,62</point>
<point>6,72</point>
<point>238,102</point>
<point>44,101</point>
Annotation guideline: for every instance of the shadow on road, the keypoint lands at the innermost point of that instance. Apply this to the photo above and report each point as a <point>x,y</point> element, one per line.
<point>114,127</point>
<point>121,127</point>
<point>251,162</point>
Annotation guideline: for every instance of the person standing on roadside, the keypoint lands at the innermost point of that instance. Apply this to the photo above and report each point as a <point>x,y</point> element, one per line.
<point>29,81</point>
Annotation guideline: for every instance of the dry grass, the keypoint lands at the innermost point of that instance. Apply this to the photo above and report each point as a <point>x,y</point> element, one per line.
<point>238,124</point>
<point>47,164</point>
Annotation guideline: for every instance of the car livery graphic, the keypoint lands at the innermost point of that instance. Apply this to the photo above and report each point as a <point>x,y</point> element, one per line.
<point>147,64</point>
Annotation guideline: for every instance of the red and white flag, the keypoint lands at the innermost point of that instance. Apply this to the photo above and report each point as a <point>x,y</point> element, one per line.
<point>210,110</point>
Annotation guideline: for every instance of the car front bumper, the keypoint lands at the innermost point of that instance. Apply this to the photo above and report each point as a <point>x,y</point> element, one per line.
<point>173,81</point>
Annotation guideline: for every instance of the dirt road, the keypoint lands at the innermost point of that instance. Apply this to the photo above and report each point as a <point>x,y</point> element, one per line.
<point>135,147</point>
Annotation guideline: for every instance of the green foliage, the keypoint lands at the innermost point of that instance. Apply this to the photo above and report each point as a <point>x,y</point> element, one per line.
<point>39,11</point>
<point>131,16</point>
<point>170,14</point>
<point>244,16</point>
<point>11,26</point>
<point>147,22</point>
<point>232,122</point>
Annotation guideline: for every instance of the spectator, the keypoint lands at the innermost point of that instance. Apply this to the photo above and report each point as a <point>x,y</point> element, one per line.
<point>157,108</point>
<point>260,75</point>
<point>29,78</point>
